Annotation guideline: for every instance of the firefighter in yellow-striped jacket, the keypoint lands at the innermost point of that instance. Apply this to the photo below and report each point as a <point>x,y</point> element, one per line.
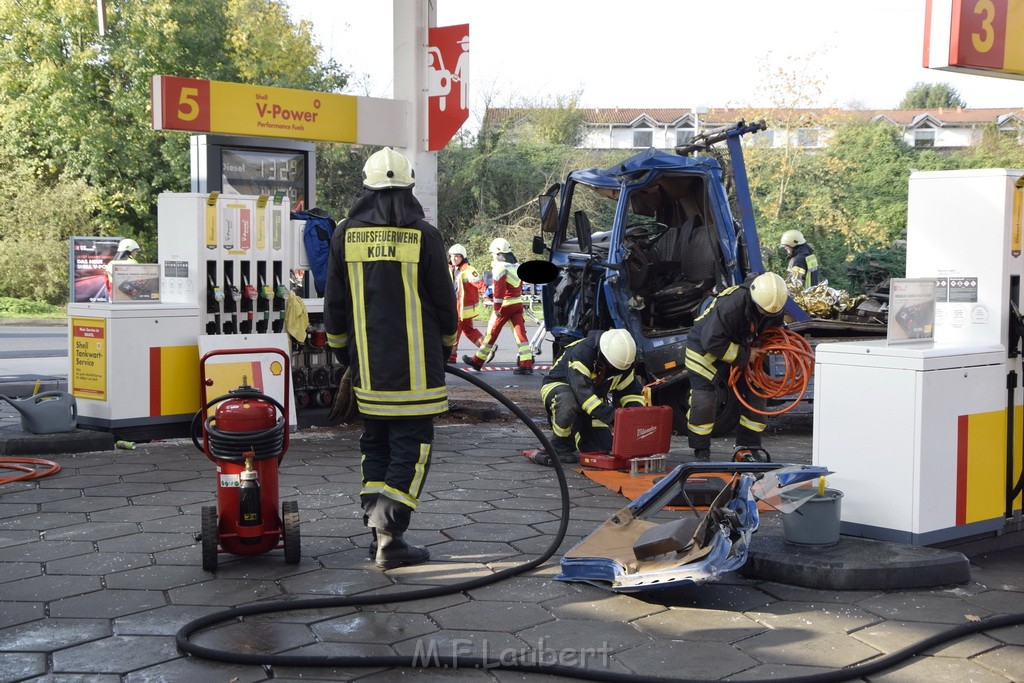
<point>390,314</point>
<point>721,337</point>
<point>591,378</point>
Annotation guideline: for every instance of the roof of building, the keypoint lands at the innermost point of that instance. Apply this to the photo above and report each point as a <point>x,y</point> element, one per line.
<point>634,116</point>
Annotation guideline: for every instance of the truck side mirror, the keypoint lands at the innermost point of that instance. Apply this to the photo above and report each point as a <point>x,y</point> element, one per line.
<point>538,244</point>
<point>549,209</point>
<point>583,231</point>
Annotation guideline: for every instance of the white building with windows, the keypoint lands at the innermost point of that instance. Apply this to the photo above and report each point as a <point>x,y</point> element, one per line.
<point>627,128</point>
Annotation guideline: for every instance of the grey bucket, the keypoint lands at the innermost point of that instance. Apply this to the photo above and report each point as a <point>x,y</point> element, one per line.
<point>816,521</point>
<point>47,413</point>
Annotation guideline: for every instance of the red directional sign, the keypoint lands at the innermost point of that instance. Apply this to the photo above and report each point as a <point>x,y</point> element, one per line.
<point>447,83</point>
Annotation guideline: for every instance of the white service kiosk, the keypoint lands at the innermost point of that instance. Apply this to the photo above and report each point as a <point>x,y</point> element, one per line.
<point>918,434</point>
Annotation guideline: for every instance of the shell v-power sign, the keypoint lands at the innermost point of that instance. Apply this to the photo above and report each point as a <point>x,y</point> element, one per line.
<point>201,106</point>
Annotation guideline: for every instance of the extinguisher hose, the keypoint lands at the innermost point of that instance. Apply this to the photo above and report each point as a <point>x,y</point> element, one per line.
<point>232,446</point>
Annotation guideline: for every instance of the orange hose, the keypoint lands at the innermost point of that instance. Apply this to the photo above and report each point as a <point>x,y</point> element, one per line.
<point>798,358</point>
<point>29,472</point>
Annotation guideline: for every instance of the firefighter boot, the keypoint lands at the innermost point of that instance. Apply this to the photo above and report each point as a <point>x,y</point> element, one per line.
<point>473,362</point>
<point>565,449</point>
<point>393,551</point>
<point>702,454</point>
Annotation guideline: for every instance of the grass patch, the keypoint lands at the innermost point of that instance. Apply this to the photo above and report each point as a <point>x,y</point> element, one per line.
<point>23,308</point>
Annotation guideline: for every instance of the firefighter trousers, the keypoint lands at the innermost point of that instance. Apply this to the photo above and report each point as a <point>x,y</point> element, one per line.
<point>509,314</point>
<point>569,421</point>
<point>467,328</point>
<point>705,397</point>
<point>395,462</point>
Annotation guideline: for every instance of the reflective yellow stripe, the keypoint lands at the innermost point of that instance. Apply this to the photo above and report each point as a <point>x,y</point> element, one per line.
<point>414,326</point>
<point>421,471</point>
<point>400,496</point>
<point>415,410</point>
<point>700,430</point>
<point>401,396</point>
<point>632,398</point>
<point>509,302</point>
<point>470,311</point>
<point>548,388</point>
<point>579,367</point>
<point>356,286</point>
<point>702,365</point>
<point>731,352</point>
<point>751,424</point>
<point>337,340</point>
<point>525,351</point>
<point>707,310</point>
<point>623,381</point>
<point>598,424</point>
<point>591,404</point>
<point>371,487</point>
<point>448,340</point>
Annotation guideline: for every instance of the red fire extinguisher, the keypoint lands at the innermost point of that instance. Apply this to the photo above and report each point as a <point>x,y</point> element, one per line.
<point>246,438</point>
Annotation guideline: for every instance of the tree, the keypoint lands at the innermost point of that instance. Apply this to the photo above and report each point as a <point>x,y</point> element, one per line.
<point>932,96</point>
<point>74,105</point>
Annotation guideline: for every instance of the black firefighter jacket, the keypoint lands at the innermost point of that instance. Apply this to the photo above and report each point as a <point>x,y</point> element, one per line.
<point>390,303</point>
<point>721,336</point>
<point>590,384</point>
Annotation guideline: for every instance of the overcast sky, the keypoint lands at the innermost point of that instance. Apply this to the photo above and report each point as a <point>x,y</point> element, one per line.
<point>663,53</point>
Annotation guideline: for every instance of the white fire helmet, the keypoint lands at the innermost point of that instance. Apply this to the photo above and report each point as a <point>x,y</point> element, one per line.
<point>128,246</point>
<point>457,249</point>
<point>618,347</point>
<point>500,245</point>
<point>386,169</point>
<point>768,290</point>
<point>792,238</point>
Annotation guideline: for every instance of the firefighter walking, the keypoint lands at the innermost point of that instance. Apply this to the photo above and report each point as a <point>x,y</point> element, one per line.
<point>508,307</point>
<point>469,286</point>
<point>390,315</point>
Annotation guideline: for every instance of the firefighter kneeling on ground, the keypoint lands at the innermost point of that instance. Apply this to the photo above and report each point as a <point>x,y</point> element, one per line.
<point>576,392</point>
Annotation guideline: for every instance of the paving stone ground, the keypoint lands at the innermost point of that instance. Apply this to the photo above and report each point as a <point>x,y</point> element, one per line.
<point>99,568</point>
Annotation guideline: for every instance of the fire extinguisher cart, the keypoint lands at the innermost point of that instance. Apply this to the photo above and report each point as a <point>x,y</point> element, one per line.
<point>246,437</point>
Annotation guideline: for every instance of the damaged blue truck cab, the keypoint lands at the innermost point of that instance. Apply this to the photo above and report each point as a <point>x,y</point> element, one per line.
<point>641,245</point>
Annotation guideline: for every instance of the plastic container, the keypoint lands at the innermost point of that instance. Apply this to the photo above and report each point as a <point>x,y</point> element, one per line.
<point>816,521</point>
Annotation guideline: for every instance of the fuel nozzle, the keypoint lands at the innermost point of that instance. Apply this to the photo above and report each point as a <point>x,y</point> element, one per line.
<point>282,292</point>
<point>266,292</point>
<point>249,292</point>
<point>215,290</point>
<point>236,295</point>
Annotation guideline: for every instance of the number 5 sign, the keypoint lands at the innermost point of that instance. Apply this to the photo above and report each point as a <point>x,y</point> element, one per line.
<point>185,104</point>
<point>975,36</point>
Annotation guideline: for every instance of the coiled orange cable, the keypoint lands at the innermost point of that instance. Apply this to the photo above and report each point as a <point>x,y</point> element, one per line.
<point>29,472</point>
<point>798,358</point>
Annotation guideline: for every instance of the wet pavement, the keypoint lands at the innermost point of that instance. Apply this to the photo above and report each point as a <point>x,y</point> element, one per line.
<point>100,567</point>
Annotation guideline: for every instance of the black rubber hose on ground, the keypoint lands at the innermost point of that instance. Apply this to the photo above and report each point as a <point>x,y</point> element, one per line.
<point>456,660</point>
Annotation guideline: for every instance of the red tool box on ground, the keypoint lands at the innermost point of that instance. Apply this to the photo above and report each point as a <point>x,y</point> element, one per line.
<point>637,433</point>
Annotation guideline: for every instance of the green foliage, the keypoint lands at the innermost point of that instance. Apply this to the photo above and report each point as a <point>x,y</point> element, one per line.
<point>34,232</point>
<point>20,308</point>
<point>75,106</point>
<point>931,96</point>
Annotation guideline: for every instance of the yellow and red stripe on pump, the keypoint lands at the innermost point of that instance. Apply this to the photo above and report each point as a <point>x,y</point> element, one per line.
<point>173,380</point>
<point>981,465</point>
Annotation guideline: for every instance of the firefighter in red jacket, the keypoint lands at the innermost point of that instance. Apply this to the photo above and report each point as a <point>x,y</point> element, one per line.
<point>469,285</point>
<point>591,378</point>
<point>508,307</point>
<point>390,314</point>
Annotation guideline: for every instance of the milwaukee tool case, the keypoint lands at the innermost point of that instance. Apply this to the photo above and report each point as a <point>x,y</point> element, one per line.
<point>637,432</point>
